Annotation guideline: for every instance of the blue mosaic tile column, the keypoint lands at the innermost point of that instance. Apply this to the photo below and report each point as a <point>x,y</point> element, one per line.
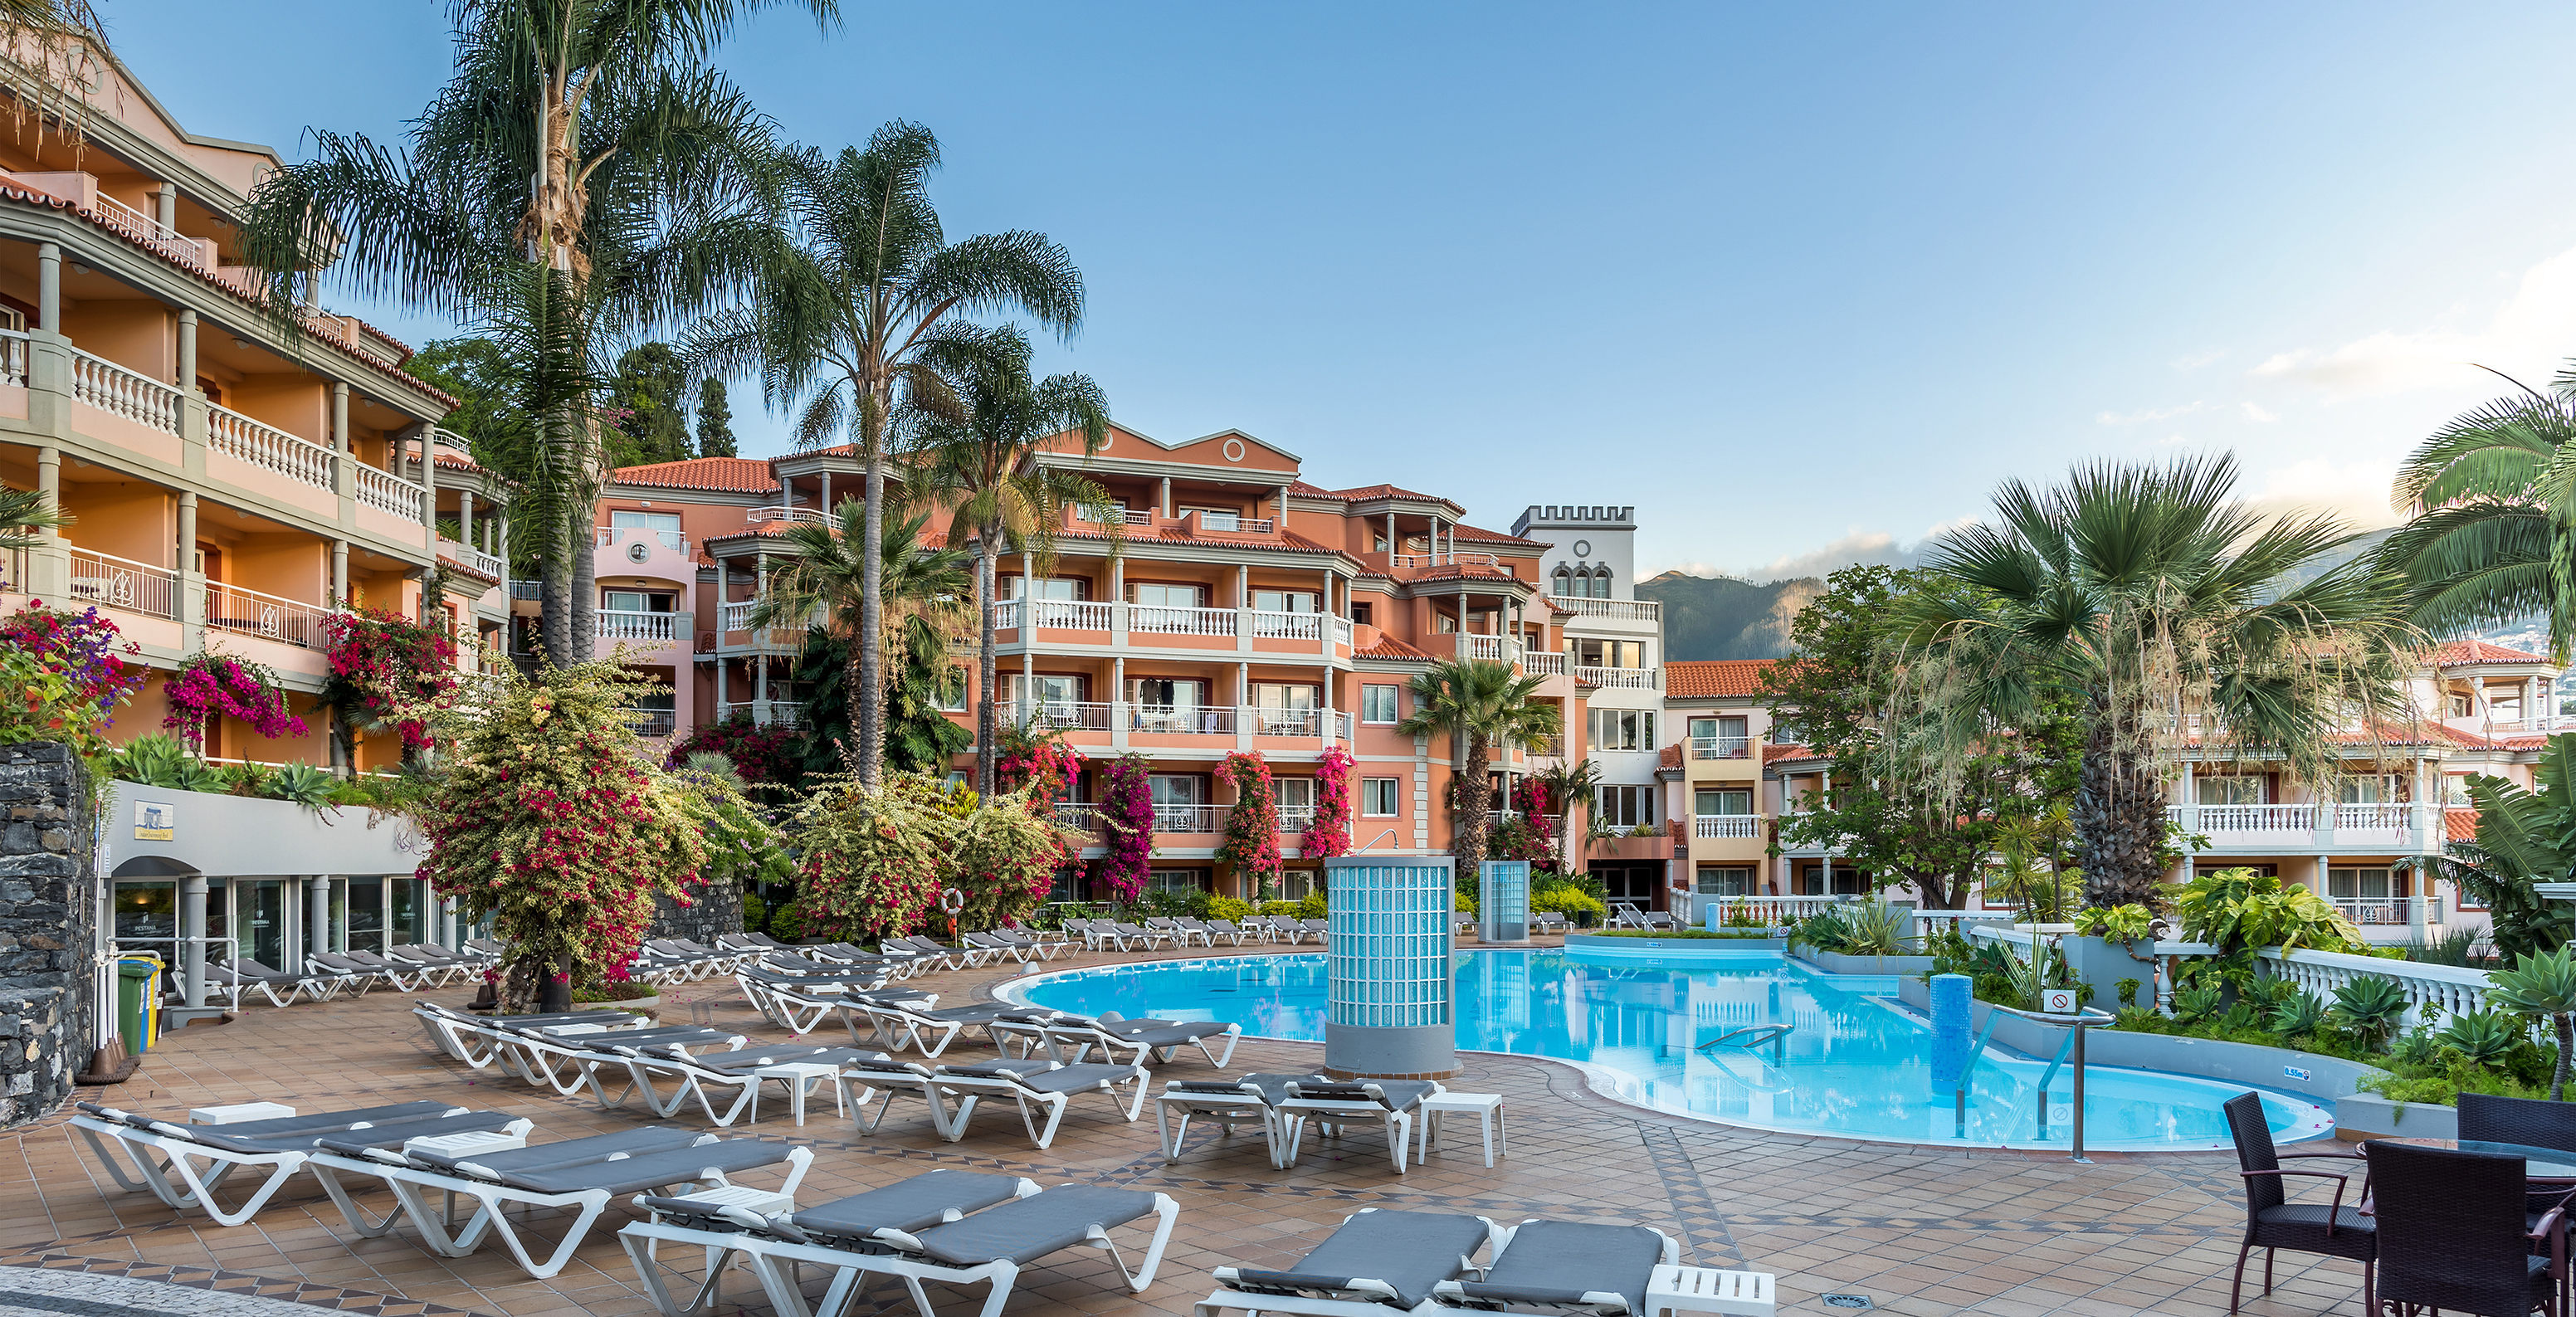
<point>1388,1011</point>
<point>1502,901</point>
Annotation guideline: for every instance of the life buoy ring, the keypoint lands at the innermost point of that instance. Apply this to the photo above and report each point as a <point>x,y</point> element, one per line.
<point>952,903</point>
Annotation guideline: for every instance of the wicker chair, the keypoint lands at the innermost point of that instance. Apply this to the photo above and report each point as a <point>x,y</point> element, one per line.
<point>2452,1238</point>
<point>2273,1222</point>
<point>2527,1121</point>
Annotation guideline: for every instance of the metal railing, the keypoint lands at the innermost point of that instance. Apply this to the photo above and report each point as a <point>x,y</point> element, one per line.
<point>1179,720</point>
<point>769,512</point>
<point>2383,911</point>
<point>1443,559</point>
<point>1189,818</point>
<point>386,492</point>
<point>145,229</point>
<point>653,722</point>
<point>269,448</point>
<point>13,358</point>
<point>638,624</point>
<point>1721,747</point>
<point>1163,620</point>
<point>1287,626</point>
<point>527,589</point>
<point>1076,814</point>
<point>1726,825</point>
<point>1296,818</point>
<point>1065,716</point>
<point>265,616</point>
<point>1628,678</point>
<point>120,392</point>
<point>99,578</point>
<point>1641,610</point>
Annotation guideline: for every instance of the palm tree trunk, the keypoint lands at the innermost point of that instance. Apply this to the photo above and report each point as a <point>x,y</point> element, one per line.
<point>988,722</point>
<point>554,592</point>
<point>585,584</point>
<point>867,707</point>
<point>1474,798</point>
<point>2119,817</point>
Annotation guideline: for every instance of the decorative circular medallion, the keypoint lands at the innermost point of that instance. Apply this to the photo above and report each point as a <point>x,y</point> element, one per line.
<point>638,551</point>
<point>1234,450</point>
<point>1583,548</point>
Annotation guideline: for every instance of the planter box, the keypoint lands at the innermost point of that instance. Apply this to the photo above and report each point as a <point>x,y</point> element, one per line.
<point>1834,962</point>
<point>2371,1114</point>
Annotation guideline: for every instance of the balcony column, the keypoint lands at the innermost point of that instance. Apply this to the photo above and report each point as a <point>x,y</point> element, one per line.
<point>165,206</point>
<point>1242,703</point>
<point>317,926</point>
<point>1118,604</point>
<point>1279,519</point>
<point>340,573</point>
<point>1167,498</point>
<point>192,581</point>
<point>1028,669</point>
<point>465,517</point>
<point>1243,609</point>
<point>1324,615</point>
<point>1117,704</point>
<point>429,491</point>
<point>1392,547</point>
<point>825,501</point>
<point>49,287</point>
<point>344,477</point>
<point>49,563</point>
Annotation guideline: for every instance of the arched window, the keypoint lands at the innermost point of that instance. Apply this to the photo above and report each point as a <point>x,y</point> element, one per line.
<point>1564,581</point>
<point>1601,583</point>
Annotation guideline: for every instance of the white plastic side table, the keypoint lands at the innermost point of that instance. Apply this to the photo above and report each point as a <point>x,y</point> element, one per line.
<point>239,1112</point>
<point>1704,1289</point>
<point>800,1077</point>
<point>1486,1107</point>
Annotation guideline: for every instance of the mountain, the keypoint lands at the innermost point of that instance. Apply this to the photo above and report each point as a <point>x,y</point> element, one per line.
<point>1720,617</point>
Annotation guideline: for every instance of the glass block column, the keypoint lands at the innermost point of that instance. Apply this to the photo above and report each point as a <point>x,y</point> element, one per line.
<point>1387,995</point>
<point>1502,901</point>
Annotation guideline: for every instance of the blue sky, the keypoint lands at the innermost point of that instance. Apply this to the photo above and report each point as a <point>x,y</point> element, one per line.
<point>1802,283</point>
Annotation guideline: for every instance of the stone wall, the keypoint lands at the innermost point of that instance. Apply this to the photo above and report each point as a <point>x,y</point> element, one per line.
<point>48,911</point>
<point>718,910</point>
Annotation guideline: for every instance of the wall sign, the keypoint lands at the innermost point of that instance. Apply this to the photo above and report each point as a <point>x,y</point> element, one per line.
<point>155,821</point>
<point>2059,1001</point>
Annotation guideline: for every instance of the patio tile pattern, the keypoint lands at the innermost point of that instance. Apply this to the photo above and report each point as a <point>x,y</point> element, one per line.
<point>1918,1230</point>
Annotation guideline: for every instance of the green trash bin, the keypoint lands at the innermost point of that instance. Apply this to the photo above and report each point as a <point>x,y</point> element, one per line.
<point>138,1001</point>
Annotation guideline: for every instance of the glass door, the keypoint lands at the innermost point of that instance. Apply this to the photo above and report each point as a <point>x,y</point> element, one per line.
<point>367,915</point>
<point>263,914</point>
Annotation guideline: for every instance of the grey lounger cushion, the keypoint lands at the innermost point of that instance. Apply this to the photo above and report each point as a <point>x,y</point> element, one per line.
<point>1026,1229</point>
<point>1400,1094</point>
<point>909,1205</point>
<point>1273,1089</point>
<point>567,1152</point>
<point>317,1121</point>
<point>1408,1252</point>
<point>652,1170</point>
<point>1050,1078</point>
<point>395,1133</point>
<point>1561,1261</point>
<point>752,1058</point>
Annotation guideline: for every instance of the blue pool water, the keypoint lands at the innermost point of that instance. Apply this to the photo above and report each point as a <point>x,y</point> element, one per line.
<point>1851,1064</point>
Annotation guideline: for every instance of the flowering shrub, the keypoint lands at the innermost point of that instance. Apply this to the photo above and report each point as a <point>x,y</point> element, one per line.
<point>389,671</point>
<point>1126,816</point>
<point>872,856</point>
<point>1044,762</point>
<point>1537,806</point>
<point>553,824</point>
<point>1252,826</point>
<point>63,674</point>
<point>1003,859</point>
<point>211,685</point>
<point>1330,834</point>
<point>759,754</point>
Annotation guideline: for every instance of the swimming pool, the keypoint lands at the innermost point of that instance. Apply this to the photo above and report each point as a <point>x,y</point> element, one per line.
<point>1850,1064</point>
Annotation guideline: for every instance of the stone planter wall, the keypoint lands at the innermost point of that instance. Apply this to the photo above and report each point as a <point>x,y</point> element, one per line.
<point>48,927</point>
<point>1834,962</point>
<point>718,911</point>
<point>1674,948</point>
<point>2364,1114</point>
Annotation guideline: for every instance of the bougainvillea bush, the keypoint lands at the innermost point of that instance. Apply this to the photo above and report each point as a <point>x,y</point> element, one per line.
<point>871,856</point>
<point>62,674</point>
<point>1003,859</point>
<point>212,684</point>
<point>1126,820</point>
<point>1252,826</point>
<point>389,671</point>
<point>552,822</point>
<point>1024,759</point>
<point>1330,832</point>
<point>762,755</point>
<point>1538,808</point>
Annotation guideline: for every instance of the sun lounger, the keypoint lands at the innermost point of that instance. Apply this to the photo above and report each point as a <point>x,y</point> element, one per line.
<point>469,1038</point>
<point>1227,929</point>
<point>733,1072</point>
<point>581,1174</point>
<point>318,983</point>
<point>164,1155</point>
<point>1319,929</point>
<point>1379,1261</point>
<point>1566,1267</point>
<point>1388,1102</point>
<point>1032,1085</point>
<point>1041,945</point>
<point>798,1002</point>
<point>436,966</point>
<point>1229,1102</point>
<point>1180,932</point>
<point>567,1058</point>
<point>1122,934</point>
<point>997,946</point>
<point>1113,1034</point>
<point>1548,921</point>
<point>899,1025</point>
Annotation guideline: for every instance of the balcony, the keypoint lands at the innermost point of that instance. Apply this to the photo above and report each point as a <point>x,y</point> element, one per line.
<point>668,541</point>
<point>1232,523</point>
<point>1126,516</point>
<point>656,629</point>
<point>1295,819</point>
<point>653,724</point>
<point>1401,560</point>
<point>769,512</point>
<point>764,713</point>
<point>1726,825</point>
<point>264,616</point>
<point>1212,720</point>
<point>1543,663</point>
<point>2254,818</point>
<point>486,563</point>
<point>1635,610</point>
<point>1078,815</point>
<point>1288,626</point>
<point>112,582</point>
<point>1158,620</point>
<point>1051,615</point>
<point>1493,649</point>
<point>2386,912</point>
<point>1622,678</point>
<point>1721,747</point>
<point>1189,818</point>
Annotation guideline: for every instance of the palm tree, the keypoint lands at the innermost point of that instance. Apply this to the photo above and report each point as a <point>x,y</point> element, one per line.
<point>587,141</point>
<point>2166,611</point>
<point>23,512</point>
<point>1567,785</point>
<point>1485,704</point>
<point>861,283</point>
<point>2494,536</point>
<point>986,468</point>
<point>2524,837</point>
<point>821,586</point>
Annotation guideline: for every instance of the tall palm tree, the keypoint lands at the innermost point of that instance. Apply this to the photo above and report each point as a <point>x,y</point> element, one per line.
<point>986,468</point>
<point>1569,783</point>
<point>23,512</point>
<point>2493,539</point>
<point>2167,611</point>
<point>1485,704</point>
<point>821,585</point>
<point>585,139</point>
<point>860,284</point>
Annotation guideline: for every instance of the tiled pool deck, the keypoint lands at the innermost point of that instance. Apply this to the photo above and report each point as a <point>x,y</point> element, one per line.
<point>1916,1230</point>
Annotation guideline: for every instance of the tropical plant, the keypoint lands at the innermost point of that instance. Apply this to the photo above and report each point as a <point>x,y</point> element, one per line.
<point>758,753</point>
<point>2037,873</point>
<point>2542,985</point>
<point>2201,1002</point>
<point>1567,785</point>
<point>1329,833</point>
<point>987,466</point>
<point>161,760</point>
<point>2451,946</point>
<point>210,685</point>
<point>585,171</point>
<point>23,512</point>
<point>2163,609</point>
<point>1126,818</point>
<point>303,784</point>
<point>859,286</point>
<point>824,580</point>
<point>715,420</point>
<point>2120,923</point>
<point>2242,910</point>
<point>2524,837</point>
<point>1003,859</point>
<point>1483,704</point>
<point>2370,1006</point>
<point>1879,928</point>
<point>872,857</point>
<point>2298,1015</point>
<point>1826,930</point>
<point>64,673</point>
<point>388,671</point>
<point>2492,540</point>
<point>1251,842</point>
<point>2484,1036</point>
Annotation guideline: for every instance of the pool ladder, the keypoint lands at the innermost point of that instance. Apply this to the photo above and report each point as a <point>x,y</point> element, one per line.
<point>1762,1033</point>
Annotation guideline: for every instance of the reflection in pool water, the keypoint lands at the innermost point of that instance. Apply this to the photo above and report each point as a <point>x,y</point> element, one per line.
<point>1849,1065</point>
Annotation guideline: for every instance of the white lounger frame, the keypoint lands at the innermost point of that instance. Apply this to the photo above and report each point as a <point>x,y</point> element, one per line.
<point>778,1264</point>
<point>195,1189</point>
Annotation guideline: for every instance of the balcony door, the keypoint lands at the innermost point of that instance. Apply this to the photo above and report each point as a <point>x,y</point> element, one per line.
<point>1722,803</point>
<point>1168,596</point>
<point>1053,699</point>
<point>666,525</point>
<point>1169,704</point>
<point>1295,798</point>
<point>1069,589</point>
<point>1286,708</point>
<point>638,601</point>
<point>1179,802</point>
<point>1284,601</point>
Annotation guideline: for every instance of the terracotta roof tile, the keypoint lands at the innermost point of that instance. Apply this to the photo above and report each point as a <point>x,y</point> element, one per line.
<point>1773,753</point>
<point>1455,572</point>
<point>451,565</point>
<point>1388,647</point>
<point>2464,653</point>
<point>2460,824</point>
<point>719,475</point>
<point>1670,757</point>
<point>1367,492</point>
<point>1474,535</point>
<point>1706,678</point>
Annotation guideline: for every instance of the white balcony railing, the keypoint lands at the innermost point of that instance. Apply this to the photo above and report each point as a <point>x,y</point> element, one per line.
<point>769,512</point>
<point>1065,716</point>
<point>2254,818</point>
<point>1189,818</point>
<point>1287,626</point>
<point>2363,818</point>
<point>1638,610</point>
<point>2378,912</point>
<point>1178,720</point>
<point>1443,559</point>
<point>1726,825</point>
<point>1160,620</point>
<point>1296,818</point>
<point>1082,816</point>
<point>610,537</point>
<point>1231,521</point>
<point>1628,678</point>
<point>113,389</point>
<point>736,616</point>
<point>1126,516</point>
<point>99,578</point>
<point>13,358</point>
<point>637,624</point>
<point>386,492</point>
<point>145,229</point>
<point>1721,747</point>
<point>265,616</point>
<point>1055,614</point>
<point>271,449</point>
<point>1543,663</point>
<point>765,713</point>
<point>1341,631</point>
<point>1499,649</point>
<point>1284,722</point>
<point>486,563</point>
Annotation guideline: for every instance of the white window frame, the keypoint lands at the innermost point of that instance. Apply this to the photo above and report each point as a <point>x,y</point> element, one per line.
<point>1369,791</point>
<point>1394,705</point>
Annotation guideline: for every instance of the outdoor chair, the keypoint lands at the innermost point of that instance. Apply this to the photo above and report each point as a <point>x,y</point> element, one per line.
<point>798,1002</point>
<point>903,1025</point>
<point>2273,1222</point>
<point>1391,1103</point>
<point>2453,1234</point>
<point>2531,1122</point>
<point>1000,948</point>
<point>1549,921</point>
<point>908,960</point>
<point>581,1174</point>
<point>1227,929</point>
<point>954,1227</point>
<point>1320,929</point>
<point>432,961</point>
<point>164,1155</point>
<point>1146,933</point>
<point>355,974</point>
<point>488,948</point>
<point>468,1038</point>
<point>1461,923</point>
<point>1253,1098</point>
<point>1379,1260</point>
<point>1113,1034</point>
<point>1035,1086</point>
<point>1284,929</point>
<point>1179,931</point>
<point>1659,921</point>
<point>567,1059</point>
<point>318,984</point>
<point>731,1072</point>
<point>1556,1266</point>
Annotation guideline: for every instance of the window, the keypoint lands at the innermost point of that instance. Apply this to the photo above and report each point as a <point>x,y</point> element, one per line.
<point>2357,884</point>
<point>1625,807</point>
<point>1628,883</point>
<point>1067,588</point>
<point>1561,583</point>
<point>1042,689</point>
<point>1283,601</point>
<point>1166,693</point>
<point>2459,706</point>
<point>1601,584</point>
<point>1719,738</point>
<point>1377,797</point>
<point>2371,789</point>
<point>1294,884</point>
<point>1722,802</point>
<point>1177,880</point>
<point>667,524</point>
<point>1283,695</point>
<point>1295,798</point>
<point>951,695</point>
<point>1363,614</point>
<point>1086,512</point>
<point>635,601</point>
<point>2455,790</point>
<point>2239,789</point>
<point>1377,704</point>
<point>1176,788</point>
<point>1623,729</point>
<point>1730,881</point>
<point>1608,653</point>
<point>1168,596</point>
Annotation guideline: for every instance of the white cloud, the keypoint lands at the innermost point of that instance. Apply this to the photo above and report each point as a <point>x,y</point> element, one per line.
<point>2257,413</point>
<point>2141,417</point>
<point>2530,330</point>
<point>2357,492</point>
